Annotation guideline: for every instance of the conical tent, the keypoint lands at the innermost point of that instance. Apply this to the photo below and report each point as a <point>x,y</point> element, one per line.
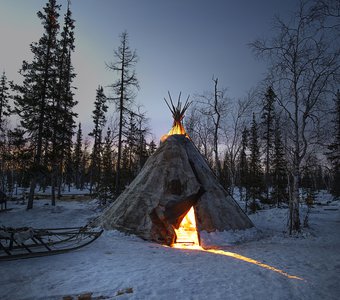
<point>173,180</point>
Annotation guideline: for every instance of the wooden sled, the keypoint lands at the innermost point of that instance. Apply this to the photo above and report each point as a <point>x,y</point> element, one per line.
<point>26,242</point>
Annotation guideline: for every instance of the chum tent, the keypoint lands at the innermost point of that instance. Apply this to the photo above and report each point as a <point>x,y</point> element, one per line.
<point>175,179</point>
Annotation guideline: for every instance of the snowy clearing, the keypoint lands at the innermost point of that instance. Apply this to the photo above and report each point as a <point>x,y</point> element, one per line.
<point>117,266</point>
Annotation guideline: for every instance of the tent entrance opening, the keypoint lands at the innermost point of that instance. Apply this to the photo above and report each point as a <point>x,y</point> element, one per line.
<point>186,234</point>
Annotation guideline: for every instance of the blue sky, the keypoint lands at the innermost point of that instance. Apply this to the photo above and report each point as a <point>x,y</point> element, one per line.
<point>181,44</point>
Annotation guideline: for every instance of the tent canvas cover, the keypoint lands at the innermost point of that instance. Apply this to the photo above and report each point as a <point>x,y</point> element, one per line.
<point>173,180</point>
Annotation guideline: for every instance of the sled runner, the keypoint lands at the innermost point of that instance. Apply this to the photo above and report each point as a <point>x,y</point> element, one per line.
<point>26,242</point>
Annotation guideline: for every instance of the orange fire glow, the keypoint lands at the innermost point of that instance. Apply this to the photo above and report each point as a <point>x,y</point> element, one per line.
<point>186,234</point>
<point>252,261</point>
<point>177,128</point>
<point>187,238</point>
<point>239,257</point>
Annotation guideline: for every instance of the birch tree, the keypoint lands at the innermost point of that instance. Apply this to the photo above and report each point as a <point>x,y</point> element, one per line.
<point>214,106</point>
<point>238,116</point>
<point>334,149</point>
<point>304,66</point>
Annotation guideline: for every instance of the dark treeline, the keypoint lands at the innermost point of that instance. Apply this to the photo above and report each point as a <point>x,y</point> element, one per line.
<point>48,148</point>
<point>280,144</point>
<point>254,151</point>
<point>276,146</point>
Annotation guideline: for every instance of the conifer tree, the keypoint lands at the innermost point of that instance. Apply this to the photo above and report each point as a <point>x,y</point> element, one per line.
<point>244,168</point>
<point>62,116</point>
<point>85,161</point>
<point>309,184</point>
<point>141,147</point>
<point>20,156</point>
<point>255,172</point>
<point>152,147</point>
<point>279,163</point>
<point>77,157</point>
<point>4,112</point>
<point>4,104</point>
<point>131,142</point>
<point>224,175</point>
<point>126,174</point>
<point>268,115</point>
<point>123,87</point>
<point>309,175</point>
<point>105,188</point>
<point>66,75</point>
<point>99,120</point>
<point>38,88</point>
<point>68,168</point>
<point>142,152</point>
<point>135,141</point>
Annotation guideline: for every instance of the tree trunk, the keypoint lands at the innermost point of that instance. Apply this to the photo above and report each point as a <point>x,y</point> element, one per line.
<point>267,178</point>
<point>121,108</point>
<point>117,188</point>
<point>31,193</point>
<point>37,158</point>
<point>53,181</point>
<point>294,206</point>
<point>60,179</point>
<point>217,125</point>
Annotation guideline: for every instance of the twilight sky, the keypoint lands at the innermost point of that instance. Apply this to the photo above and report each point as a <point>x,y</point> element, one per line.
<point>181,44</point>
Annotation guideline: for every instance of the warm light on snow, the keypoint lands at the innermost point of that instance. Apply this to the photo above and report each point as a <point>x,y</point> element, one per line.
<point>237,256</point>
<point>187,238</point>
<point>253,261</point>
<point>104,268</point>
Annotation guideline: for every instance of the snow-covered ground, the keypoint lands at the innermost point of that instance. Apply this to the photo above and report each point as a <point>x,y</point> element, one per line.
<point>116,266</point>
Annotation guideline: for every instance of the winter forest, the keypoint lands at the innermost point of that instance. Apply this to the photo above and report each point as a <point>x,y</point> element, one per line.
<point>275,149</point>
<point>284,137</point>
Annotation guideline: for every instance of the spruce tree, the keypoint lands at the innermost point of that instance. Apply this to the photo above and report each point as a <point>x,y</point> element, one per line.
<point>152,147</point>
<point>255,172</point>
<point>244,182</point>
<point>279,165</point>
<point>132,140</point>
<point>4,112</point>
<point>4,103</point>
<point>62,116</point>
<point>38,89</point>
<point>268,115</point>
<point>105,188</point>
<point>68,167</point>
<point>20,156</point>
<point>123,87</point>
<point>142,152</point>
<point>309,184</point>
<point>99,120</point>
<point>126,174</point>
<point>77,157</point>
<point>225,171</point>
<point>309,178</point>
<point>66,76</point>
<point>85,162</point>
<point>141,147</point>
